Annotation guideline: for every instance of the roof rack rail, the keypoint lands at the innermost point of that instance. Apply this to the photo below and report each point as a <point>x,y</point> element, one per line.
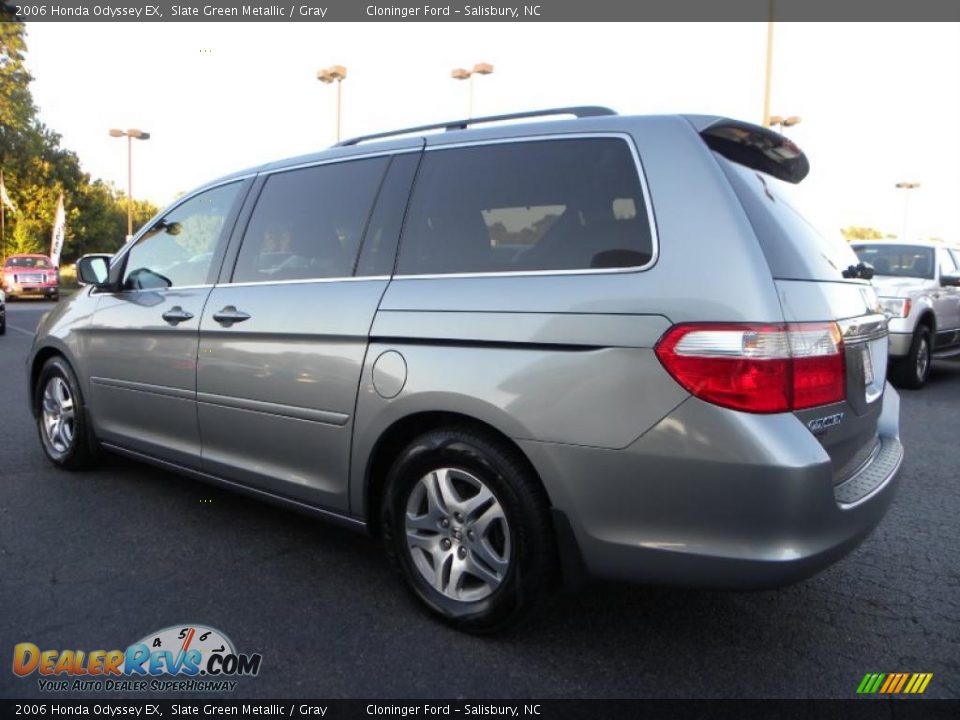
<point>579,112</point>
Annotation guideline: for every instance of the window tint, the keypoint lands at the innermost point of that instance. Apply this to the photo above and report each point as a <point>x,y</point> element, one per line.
<point>308,223</point>
<point>898,260</point>
<point>526,206</point>
<point>178,250</point>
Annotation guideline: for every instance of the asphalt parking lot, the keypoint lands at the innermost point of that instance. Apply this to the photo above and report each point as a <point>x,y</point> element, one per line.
<point>101,559</point>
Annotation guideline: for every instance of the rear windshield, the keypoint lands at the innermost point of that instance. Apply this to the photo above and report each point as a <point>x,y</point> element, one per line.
<point>898,260</point>
<point>28,262</point>
<point>793,247</point>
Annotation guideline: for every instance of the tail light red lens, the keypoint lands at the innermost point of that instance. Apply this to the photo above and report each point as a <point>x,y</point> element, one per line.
<point>757,368</point>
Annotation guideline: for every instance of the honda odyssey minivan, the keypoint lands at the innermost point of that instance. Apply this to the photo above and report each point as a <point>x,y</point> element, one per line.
<point>522,354</point>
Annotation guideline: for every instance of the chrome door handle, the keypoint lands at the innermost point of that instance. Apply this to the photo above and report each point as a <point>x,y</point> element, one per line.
<point>176,315</point>
<point>230,315</point>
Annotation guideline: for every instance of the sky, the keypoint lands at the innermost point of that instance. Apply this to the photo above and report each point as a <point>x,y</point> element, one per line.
<point>879,102</point>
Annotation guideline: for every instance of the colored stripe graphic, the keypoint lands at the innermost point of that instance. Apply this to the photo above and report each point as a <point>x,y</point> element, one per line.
<point>894,683</point>
<point>899,687</point>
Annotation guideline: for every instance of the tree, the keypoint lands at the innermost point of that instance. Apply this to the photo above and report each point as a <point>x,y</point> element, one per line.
<point>857,232</point>
<point>16,103</point>
<point>37,170</point>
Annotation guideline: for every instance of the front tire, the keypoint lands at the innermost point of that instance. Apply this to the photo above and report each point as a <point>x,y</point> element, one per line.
<point>912,371</point>
<point>61,417</point>
<point>467,525</point>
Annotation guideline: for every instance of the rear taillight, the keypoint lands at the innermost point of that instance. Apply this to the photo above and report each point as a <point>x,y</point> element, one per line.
<point>757,368</point>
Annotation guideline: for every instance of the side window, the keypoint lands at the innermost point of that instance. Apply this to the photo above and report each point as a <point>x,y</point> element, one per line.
<point>308,223</point>
<point>179,250</point>
<point>526,206</point>
<point>947,262</point>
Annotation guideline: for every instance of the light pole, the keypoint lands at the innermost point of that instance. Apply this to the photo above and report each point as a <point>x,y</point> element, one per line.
<point>462,74</point>
<point>781,122</point>
<point>334,73</point>
<point>906,203</point>
<point>768,80</point>
<point>129,135</point>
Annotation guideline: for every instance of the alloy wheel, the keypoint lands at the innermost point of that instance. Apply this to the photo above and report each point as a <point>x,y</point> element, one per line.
<point>58,414</point>
<point>923,359</point>
<point>457,534</point>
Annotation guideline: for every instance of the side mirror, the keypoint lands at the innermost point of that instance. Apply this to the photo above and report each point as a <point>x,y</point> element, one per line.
<point>950,280</point>
<point>93,270</point>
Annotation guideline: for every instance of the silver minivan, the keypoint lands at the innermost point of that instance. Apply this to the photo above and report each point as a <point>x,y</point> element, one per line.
<point>523,354</point>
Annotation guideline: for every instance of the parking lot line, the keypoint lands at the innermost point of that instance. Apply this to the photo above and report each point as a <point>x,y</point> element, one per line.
<point>29,333</point>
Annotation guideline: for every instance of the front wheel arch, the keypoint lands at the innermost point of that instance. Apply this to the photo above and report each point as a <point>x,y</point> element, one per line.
<point>39,360</point>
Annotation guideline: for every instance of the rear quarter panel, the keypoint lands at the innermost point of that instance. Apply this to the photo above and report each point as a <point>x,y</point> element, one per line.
<point>568,358</point>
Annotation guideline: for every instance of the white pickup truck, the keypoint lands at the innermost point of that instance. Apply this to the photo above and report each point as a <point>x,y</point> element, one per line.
<point>918,284</point>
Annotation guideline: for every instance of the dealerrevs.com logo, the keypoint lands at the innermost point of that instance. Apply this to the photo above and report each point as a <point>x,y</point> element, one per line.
<point>181,658</point>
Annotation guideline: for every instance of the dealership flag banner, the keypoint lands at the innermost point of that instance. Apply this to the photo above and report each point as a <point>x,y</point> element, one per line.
<point>59,228</point>
<point>5,202</point>
<point>4,198</point>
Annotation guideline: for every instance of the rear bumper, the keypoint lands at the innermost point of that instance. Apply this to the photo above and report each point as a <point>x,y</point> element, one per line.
<point>715,498</point>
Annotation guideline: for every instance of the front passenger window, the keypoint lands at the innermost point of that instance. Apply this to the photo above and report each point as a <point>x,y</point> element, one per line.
<point>178,251</point>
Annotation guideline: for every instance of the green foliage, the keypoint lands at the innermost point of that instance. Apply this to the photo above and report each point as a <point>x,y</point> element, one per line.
<point>36,170</point>
<point>856,232</point>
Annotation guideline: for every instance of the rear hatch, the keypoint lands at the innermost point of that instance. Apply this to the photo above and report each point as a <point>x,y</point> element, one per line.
<point>818,280</point>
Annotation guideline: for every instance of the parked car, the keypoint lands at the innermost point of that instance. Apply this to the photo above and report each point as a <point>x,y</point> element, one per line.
<point>3,313</point>
<point>918,284</point>
<point>31,275</point>
<point>601,346</point>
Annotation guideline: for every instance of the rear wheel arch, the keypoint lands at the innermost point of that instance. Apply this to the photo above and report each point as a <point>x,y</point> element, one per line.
<point>403,431</point>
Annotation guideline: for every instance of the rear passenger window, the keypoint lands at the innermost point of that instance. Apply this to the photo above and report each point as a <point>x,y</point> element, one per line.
<point>527,206</point>
<point>307,224</point>
<point>947,263</point>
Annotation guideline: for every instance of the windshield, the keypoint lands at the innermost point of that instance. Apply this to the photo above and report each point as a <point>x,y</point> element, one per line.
<point>28,262</point>
<point>898,260</point>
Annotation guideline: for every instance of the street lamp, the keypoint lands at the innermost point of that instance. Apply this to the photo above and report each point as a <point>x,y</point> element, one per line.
<point>768,77</point>
<point>781,122</point>
<point>462,74</point>
<point>130,135</point>
<point>334,73</point>
<point>906,202</point>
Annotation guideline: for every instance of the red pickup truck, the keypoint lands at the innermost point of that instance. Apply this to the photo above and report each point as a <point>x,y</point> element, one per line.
<point>30,275</point>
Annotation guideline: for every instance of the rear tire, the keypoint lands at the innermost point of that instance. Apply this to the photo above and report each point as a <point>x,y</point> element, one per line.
<point>3,325</point>
<point>468,527</point>
<point>61,417</point>
<point>912,371</point>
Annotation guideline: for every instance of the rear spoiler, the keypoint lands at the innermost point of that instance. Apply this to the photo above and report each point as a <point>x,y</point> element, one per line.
<point>756,147</point>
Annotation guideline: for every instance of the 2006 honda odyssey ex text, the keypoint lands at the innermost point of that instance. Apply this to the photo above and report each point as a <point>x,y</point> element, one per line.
<point>601,346</point>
